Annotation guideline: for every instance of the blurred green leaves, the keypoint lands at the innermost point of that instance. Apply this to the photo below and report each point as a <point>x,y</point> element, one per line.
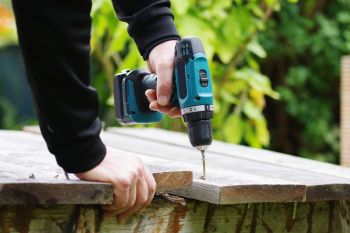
<point>8,33</point>
<point>304,43</point>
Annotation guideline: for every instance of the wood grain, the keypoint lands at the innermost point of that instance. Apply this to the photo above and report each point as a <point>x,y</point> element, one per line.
<point>237,151</point>
<point>345,112</point>
<point>317,185</point>
<point>29,175</point>
<point>233,177</point>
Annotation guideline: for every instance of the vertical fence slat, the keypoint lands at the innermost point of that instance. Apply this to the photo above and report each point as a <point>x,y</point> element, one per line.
<point>345,112</point>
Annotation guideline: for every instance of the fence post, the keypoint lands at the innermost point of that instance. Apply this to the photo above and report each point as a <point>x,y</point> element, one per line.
<point>345,112</point>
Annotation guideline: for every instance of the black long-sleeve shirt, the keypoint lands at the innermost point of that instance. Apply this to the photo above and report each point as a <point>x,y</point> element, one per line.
<point>54,37</point>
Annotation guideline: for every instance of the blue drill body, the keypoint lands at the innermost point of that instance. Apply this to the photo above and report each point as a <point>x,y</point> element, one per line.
<point>192,92</point>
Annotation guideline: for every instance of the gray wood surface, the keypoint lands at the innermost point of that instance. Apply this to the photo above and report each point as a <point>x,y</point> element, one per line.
<point>29,175</point>
<point>238,151</point>
<point>261,172</point>
<point>235,174</point>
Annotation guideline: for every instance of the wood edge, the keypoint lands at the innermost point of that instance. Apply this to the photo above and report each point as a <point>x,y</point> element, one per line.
<point>199,191</point>
<point>49,193</point>
<point>168,181</point>
<point>262,193</point>
<point>333,192</point>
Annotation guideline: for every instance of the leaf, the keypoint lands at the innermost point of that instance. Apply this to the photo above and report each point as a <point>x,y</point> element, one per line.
<point>262,132</point>
<point>251,110</point>
<point>250,136</point>
<point>257,81</point>
<point>228,97</point>
<point>256,48</point>
<point>180,6</point>
<point>233,129</point>
<point>110,101</point>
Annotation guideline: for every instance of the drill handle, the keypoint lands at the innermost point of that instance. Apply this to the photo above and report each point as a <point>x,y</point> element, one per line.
<point>150,82</point>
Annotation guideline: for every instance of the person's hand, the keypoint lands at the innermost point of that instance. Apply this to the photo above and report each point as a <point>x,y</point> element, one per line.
<point>133,185</point>
<point>161,61</point>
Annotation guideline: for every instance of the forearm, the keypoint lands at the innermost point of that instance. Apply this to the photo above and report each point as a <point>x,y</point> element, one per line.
<point>150,22</point>
<point>54,37</point>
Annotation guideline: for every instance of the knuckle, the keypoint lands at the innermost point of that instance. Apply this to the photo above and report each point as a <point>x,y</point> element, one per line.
<point>139,170</point>
<point>124,183</point>
<point>133,176</point>
<point>152,188</point>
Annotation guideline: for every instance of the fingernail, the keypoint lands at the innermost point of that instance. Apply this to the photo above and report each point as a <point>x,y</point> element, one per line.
<point>163,100</point>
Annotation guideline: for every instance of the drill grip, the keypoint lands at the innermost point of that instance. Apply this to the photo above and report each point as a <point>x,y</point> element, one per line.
<point>149,82</point>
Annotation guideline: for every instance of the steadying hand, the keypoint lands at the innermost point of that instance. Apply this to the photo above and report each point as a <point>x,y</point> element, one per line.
<point>133,185</point>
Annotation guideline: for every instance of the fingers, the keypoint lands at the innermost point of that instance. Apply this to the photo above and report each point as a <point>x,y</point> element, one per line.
<point>175,112</point>
<point>164,71</point>
<point>133,185</point>
<point>154,105</point>
<point>151,183</point>
<point>161,61</point>
<point>142,196</point>
<point>146,187</point>
<point>151,95</point>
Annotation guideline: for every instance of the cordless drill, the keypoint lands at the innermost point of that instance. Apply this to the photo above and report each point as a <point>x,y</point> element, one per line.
<point>192,92</point>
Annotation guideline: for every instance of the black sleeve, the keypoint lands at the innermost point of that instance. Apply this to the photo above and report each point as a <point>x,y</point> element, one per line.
<point>150,22</point>
<point>54,36</point>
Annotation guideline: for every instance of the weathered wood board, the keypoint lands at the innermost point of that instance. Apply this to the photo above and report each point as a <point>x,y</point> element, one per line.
<point>232,176</point>
<point>237,151</point>
<point>242,174</point>
<point>29,175</point>
<point>189,217</point>
<point>221,186</point>
<point>345,112</point>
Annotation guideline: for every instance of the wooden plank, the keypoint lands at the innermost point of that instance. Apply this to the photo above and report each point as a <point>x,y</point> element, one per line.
<point>243,175</point>
<point>164,216</point>
<point>237,151</point>
<point>220,188</point>
<point>319,186</point>
<point>345,112</point>
<point>29,174</point>
<point>230,187</point>
<point>27,191</point>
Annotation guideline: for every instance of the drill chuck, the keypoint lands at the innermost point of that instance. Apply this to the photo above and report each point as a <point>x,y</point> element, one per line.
<point>200,133</point>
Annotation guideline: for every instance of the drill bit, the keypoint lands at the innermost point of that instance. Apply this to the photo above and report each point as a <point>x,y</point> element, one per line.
<point>203,164</point>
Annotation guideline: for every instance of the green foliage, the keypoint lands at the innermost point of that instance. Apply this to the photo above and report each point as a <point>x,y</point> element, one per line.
<point>305,43</point>
<point>228,29</point>
<point>8,115</point>
<point>7,24</point>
